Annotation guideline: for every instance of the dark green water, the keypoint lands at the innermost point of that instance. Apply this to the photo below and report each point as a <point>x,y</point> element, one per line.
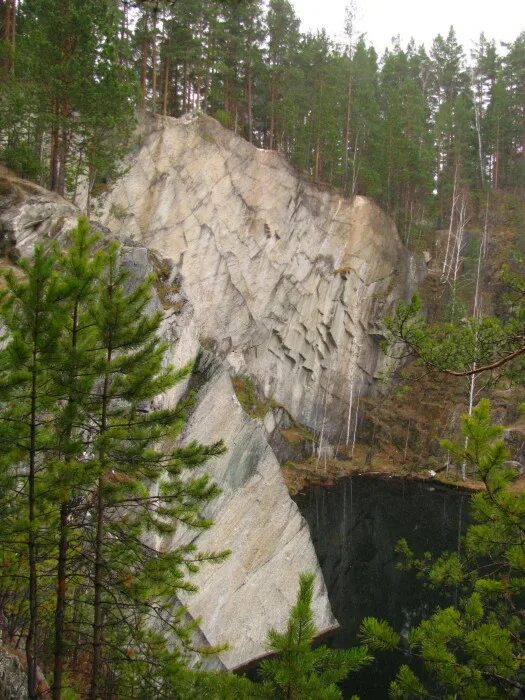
<point>355,525</point>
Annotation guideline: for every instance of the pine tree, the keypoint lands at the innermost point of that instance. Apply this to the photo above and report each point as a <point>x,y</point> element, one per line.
<point>283,41</point>
<point>513,114</point>
<point>469,346</point>
<point>93,478</point>
<point>8,35</point>
<point>301,672</point>
<point>473,649</point>
<point>366,125</point>
<point>454,126</point>
<point>391,129</point>
<point>484,71</point>
<point>32,318</point>
<point>74,377</point>
<point>125,443</point>
<point>408,167</point>
<point>72,96</point>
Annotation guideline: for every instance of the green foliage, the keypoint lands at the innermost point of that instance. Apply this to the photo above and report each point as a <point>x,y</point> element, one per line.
<point>67,107</point>
<point>378,634</point>
<point>454,347</point>
<point>246,392</point>
<point>83,338</point>
<point>80,446</point>
<point>300,671</point>
<point>473,649</point>
<point>195,685</point>
<point>223,117</point>
<point>395,128</point>
<point>407,686</point>
<point>22,159</point>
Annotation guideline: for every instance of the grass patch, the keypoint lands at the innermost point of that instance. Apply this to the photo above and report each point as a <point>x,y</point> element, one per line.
<point>118,212</point>
<point>246,393</point>
<point>165,288</point>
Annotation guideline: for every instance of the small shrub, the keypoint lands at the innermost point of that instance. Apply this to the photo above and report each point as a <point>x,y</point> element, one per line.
<point>246,392</point>
<point>118,212</point>
<point>22,159</point>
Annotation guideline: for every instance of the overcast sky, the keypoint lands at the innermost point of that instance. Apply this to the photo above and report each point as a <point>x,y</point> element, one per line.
<point>380,20</point>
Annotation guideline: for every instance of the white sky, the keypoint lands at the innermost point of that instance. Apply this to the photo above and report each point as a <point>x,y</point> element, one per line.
<point>501,20</point>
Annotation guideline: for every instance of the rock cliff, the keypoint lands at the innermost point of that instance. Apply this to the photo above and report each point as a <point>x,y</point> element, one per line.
<point>262,274</point>
<point>238,600</point>
<point>254,517</point>
<point>287,280</point>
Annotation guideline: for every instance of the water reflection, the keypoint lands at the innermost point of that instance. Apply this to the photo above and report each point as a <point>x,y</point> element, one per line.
<point>355,526</point>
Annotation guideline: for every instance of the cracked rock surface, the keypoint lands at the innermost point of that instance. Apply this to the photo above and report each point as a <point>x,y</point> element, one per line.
<point>13,676</point>
<point>254,517</point>
<point>287,280</point>
<point>283,282</point>
<point>254,589</point>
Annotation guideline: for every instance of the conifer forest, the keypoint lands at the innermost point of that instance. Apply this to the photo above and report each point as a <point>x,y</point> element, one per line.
<point>246,267</point>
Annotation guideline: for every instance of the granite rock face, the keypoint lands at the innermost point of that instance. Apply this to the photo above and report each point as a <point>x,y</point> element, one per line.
<point>254,517</point>
<point>13,676</point>
<point>288,281</point>
<point>255,587</point>
<point>277,280</point>
<point>28,214</point>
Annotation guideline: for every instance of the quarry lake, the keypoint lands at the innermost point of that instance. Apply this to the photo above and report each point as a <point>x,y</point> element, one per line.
<point>355,525</point>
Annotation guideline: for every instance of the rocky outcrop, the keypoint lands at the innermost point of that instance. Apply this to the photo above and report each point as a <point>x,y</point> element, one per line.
<point>277,280</point>
<point>254,516</point>
<point>29,213</point>
<point>289,282</point>
<point>13,676</point>
<point>256,520</point>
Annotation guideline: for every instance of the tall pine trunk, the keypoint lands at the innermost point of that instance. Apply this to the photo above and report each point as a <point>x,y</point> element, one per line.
<point>55,149</point>
<point>144,66</point>
<point>9,34</point>
<point>60,607</point>
<point>154,61</point>
<point>175,111</point>
<point>495,182</point>
<point>347,136</point>
<point>317,149</point>
<point>272,114</point>
<point>123,56</point>
<point>185,88</point>
<point>249,101</point>
<point>62,157</point>
<point>31,640</point>
<point>63,546</point>
<point>165,89</point>
<point>98,612</point>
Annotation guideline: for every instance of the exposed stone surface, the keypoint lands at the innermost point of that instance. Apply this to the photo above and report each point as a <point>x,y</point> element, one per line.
<point>287,280</point>
<point>255,587</point>
<point>13,677</point>
<point>279,280</point>
<point>254,516</point>
<point>29,213</point>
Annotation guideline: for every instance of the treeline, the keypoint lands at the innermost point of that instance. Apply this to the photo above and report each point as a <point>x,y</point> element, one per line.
<point>412,129</point>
